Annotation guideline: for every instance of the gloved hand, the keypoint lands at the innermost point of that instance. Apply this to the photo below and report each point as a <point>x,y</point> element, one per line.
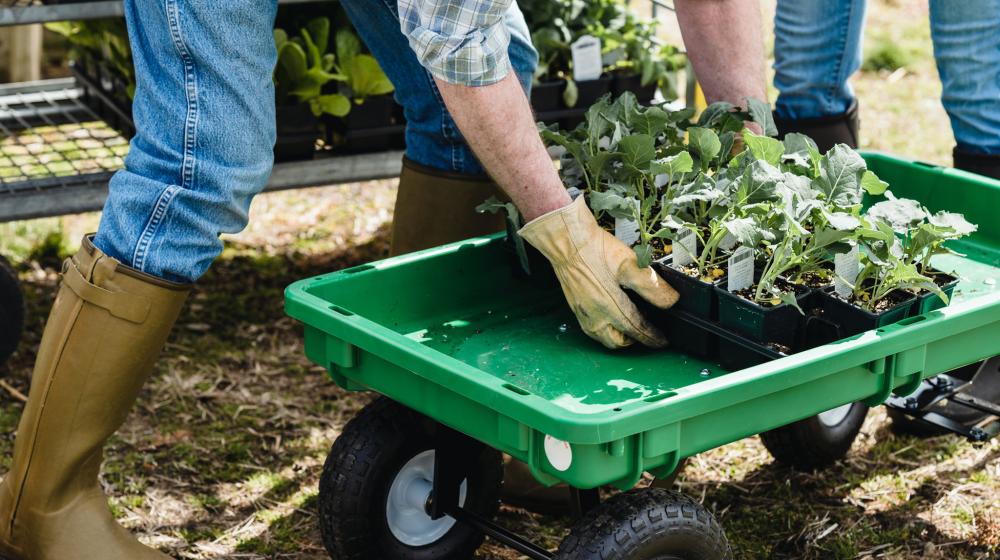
<point>592,266</point>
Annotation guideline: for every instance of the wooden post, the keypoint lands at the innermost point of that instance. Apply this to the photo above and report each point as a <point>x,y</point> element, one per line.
<point>24,52</point>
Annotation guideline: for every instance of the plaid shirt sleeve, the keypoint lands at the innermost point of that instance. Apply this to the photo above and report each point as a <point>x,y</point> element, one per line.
<point>458,41</point>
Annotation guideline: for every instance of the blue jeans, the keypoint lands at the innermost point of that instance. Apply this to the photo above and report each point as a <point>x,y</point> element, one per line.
<point>818,47</point>
<point>205,130</point>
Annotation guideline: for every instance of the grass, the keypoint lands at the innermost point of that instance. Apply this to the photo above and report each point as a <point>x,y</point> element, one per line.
<point>221,457</point>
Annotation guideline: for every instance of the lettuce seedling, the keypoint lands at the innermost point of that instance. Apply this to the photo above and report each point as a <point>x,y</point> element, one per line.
<point>304,67</point>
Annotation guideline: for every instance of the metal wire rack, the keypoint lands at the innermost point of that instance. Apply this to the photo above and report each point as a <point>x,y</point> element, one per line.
<point>50,141</point>
<point>56,155</point>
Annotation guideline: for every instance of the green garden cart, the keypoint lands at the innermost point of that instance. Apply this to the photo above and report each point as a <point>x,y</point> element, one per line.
<point>474,359</point>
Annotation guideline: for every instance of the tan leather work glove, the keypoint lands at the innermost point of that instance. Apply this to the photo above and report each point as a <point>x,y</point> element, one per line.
<point>592,266</point>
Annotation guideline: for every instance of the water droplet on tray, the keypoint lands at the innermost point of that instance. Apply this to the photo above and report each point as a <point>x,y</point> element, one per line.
<point>706,372</point>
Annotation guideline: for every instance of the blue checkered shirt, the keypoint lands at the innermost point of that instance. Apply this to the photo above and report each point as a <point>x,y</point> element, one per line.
<point>459,41</point>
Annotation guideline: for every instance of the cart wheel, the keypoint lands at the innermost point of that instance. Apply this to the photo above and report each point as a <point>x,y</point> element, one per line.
<point>11,310</point>
<point>647,524</point>
<point>376,483</point>
<point>817,441</point>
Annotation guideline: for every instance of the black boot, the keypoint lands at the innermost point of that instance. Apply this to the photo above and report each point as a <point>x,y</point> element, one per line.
<point>983,164</point>
<point>826,131</point>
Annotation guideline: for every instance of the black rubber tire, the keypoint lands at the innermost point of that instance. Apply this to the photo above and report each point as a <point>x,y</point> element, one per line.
<point>809,444</point>
<point>359,472</point>
<point>11,310</point>
<point>647,524</point>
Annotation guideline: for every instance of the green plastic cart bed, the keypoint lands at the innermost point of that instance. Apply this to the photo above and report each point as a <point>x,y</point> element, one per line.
<point>455,335</point>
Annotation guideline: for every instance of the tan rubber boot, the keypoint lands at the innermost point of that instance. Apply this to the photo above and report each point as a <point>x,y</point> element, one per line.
<point>435,207</point>
<point>106,327</point>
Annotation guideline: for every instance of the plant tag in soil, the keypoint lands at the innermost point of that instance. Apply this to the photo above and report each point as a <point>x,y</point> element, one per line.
<point>587,63</point>
<point>740,270</point>
<point>627,231</point>
<point>684,247</point>
<point>846,266</point>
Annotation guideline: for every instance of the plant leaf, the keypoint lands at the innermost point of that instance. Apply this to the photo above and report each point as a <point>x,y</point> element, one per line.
<point>760,113</point>
<point>638,151</point>
<point>365,77</point>
<point>872,184</point>
<point>348,45</point>
<point>616,205</point>
<point>955,221</point>
<point>319,33</point>
<point>841,170</point>
<point>705,143</point>
<point>673,165</point>
<point>901,214</point>
<point>334,104</point>
<point>763,147</point>
<point>644,255</point>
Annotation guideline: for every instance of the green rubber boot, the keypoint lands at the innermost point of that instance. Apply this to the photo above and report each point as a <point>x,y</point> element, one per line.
<point>106,327</point>
<point>435,207</point>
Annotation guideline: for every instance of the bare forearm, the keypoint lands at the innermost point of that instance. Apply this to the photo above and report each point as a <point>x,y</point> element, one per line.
<point>497,123</point>
<point>725,44</point>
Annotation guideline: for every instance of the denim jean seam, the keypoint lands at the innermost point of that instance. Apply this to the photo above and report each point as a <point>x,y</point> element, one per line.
<point>152,225</point>
<point>841,62</point>
<point>191,92</point>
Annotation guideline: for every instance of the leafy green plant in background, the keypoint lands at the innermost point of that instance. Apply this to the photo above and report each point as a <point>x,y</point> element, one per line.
<point>629,42</point>
<point>305,67</point>
<point>364,76</point>
<point>102,39</point>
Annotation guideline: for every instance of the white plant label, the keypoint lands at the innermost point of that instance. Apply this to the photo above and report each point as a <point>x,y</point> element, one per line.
<point>728,242</point>
<point>559,453</point>
<point>684,247</point>
<point>740,270</point>
<point>846,266</point>
<point>587,63</point>
<point>627,231</point>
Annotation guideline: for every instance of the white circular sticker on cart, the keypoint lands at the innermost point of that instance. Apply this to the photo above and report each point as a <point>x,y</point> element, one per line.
<point>559,453</point>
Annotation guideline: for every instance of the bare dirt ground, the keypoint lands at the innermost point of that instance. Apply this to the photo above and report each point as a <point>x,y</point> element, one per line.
<point>220,459</point>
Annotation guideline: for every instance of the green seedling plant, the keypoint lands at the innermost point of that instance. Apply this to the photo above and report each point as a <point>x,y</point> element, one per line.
<point>884,272</point>
<point>793,206</point>
<point>900,259</point>
<point>629,42</point>
<point>589,153</point>
<point>305,66</point>
<point>363,76</point>
<point>922,234</point>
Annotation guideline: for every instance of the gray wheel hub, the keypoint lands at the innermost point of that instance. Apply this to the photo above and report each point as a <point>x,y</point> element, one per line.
<point>406,505</point>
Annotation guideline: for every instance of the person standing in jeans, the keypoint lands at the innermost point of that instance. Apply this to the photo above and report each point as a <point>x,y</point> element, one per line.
<point>204,112</point>
<point>817,48</point>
